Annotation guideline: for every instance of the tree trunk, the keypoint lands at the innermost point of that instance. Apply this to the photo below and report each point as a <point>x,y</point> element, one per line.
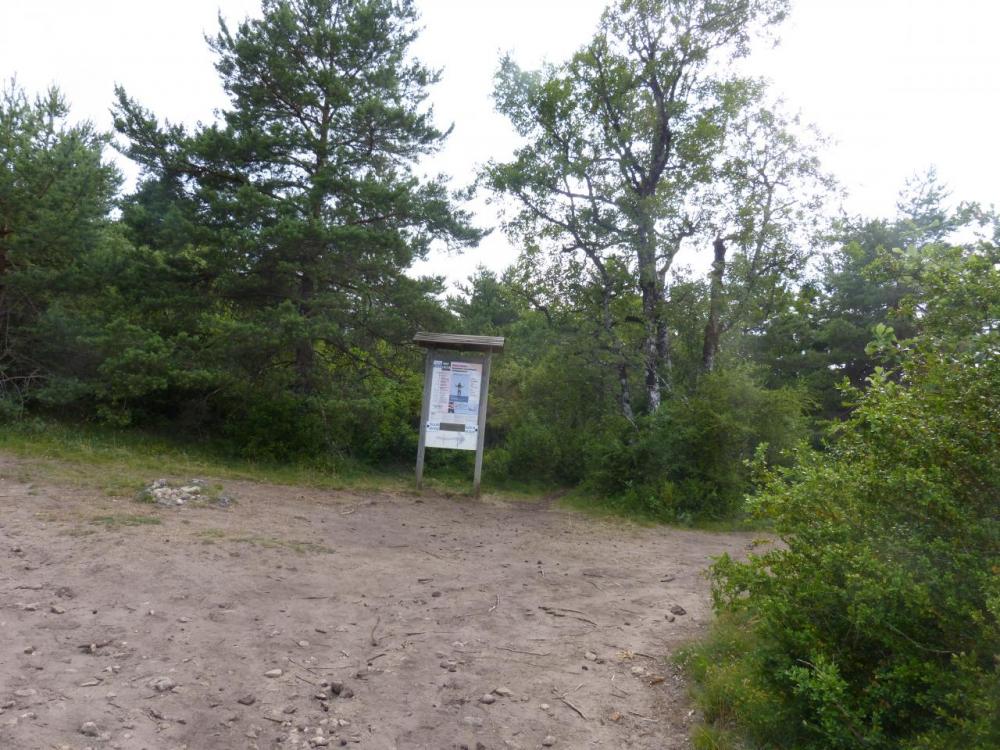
<point>305,354</point>
<point>663,349</point>
<point>624,398</point>
<point>4,320</point>
<point>652,311</point>
<point>615,346</point>
<point>713,328</point>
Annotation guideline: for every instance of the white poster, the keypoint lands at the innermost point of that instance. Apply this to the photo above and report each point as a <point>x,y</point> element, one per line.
<point>453,420</point>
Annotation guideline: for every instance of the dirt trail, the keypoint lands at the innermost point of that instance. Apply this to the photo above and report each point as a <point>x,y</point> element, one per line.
<point>161,635</point>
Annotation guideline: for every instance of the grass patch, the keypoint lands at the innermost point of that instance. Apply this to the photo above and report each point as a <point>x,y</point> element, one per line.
<point>739,712</point>
<point>122,462</point>
<point>270,542</point>
<point>210,536</point>
<point>119,520</point>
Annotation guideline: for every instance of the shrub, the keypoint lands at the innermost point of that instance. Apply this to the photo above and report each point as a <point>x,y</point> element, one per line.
<point>689,460</point>
<point>877,617</point>
<point>277,426</point>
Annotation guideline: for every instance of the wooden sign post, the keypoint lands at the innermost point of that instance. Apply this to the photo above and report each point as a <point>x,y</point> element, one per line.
<point>456,390</point>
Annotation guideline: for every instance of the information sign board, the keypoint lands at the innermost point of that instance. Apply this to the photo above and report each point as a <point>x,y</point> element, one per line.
<point>453,415</point>
<point>456,391</point>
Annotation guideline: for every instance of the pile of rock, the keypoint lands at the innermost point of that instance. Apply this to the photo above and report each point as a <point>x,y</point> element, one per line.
<point>163,492</point>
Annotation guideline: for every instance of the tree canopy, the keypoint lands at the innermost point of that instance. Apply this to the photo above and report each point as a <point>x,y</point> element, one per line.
<point>304,195</point>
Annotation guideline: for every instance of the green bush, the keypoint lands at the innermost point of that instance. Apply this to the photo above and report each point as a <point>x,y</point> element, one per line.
<point>689,460</point>
<point>277,426</point>
<point>11,409</point>
<point>377,423</point>
<point>877,617</point>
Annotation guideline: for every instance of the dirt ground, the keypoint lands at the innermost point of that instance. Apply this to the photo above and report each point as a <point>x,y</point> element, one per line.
<point>448,623</point>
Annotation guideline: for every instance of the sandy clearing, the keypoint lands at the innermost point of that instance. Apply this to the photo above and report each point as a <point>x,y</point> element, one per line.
<point>420,606</point>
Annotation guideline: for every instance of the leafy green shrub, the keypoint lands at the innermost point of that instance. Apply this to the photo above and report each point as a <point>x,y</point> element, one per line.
<point>378,422</point>
<point>277,426</point>
<point>689,460</point>
<point>534,450</point>
<point>877,618</point>
<point>11,409</point>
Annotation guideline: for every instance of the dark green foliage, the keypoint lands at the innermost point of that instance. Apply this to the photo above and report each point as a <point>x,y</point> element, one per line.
<point>304,194</point>
<point>55,194</point>
<point>879,617</point>
<point>293,220</point>
<point>688,462</point>
<point>880,272</point>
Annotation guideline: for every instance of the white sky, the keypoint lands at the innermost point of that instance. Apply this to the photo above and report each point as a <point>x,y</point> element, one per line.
<point>898,85</point>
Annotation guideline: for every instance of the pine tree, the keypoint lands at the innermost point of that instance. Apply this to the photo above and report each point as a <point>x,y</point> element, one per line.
<point>304,193</point>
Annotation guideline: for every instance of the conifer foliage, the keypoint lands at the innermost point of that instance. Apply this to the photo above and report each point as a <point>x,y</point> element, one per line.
<point>303,195</point>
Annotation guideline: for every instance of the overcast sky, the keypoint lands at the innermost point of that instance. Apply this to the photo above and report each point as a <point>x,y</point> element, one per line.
<point>897,85</point>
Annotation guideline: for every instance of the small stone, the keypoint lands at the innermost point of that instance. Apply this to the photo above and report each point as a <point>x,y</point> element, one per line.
<point>638,671</point>
<point>57,610</point>
<point>90,683</point>
<point>30,607</point>
<point>183,619</point>
<point>488,699</point>
<point>590,656</point>
<point>472,721</point>
<point>273,673</point>
<point>247,700</point>
<point>670,618</point>
<point>319,741</point>
<point>503,692</point>
<point>29,650</point>
<point>303,644</point>
<point>545,706</point>
<point>162,684</point>
<point>435,594</point>
<point>549,741</point>
<point>677,609</point>
<point>320,630</point>
<point>89,729</point>
<point>336,687</point>
<point>25,692</point>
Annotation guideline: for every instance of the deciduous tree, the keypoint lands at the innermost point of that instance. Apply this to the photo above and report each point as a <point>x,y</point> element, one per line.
<point>622,143</point>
